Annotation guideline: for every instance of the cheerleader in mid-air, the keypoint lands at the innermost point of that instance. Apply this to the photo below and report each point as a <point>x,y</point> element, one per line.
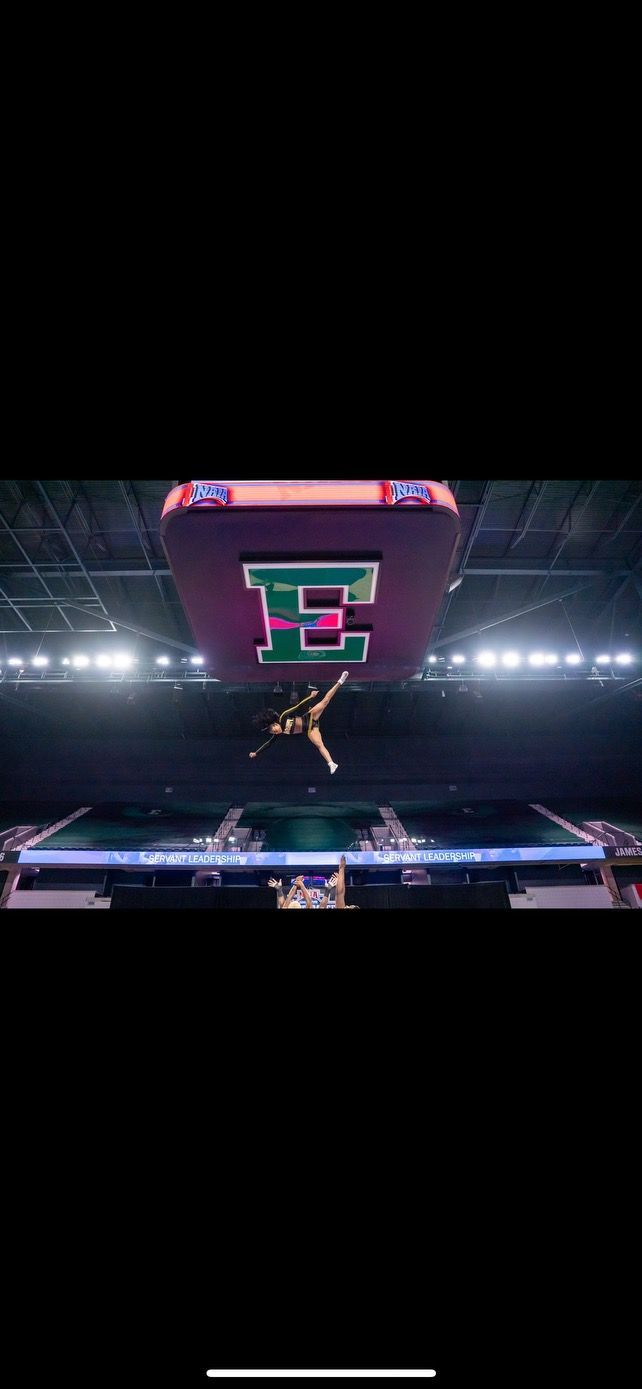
<point>287,722</point>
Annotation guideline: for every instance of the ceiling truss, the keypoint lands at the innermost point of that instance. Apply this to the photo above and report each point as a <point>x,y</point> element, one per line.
<point>81,551</point>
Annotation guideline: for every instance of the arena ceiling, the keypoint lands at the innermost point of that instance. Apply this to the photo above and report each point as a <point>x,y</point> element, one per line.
<point>544,562</point>
<point>535,554</point>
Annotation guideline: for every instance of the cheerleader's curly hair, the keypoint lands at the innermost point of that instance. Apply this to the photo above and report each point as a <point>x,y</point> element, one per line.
<point>264,719</point>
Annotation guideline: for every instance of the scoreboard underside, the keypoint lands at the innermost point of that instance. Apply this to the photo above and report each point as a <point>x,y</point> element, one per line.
<point>284,579</point>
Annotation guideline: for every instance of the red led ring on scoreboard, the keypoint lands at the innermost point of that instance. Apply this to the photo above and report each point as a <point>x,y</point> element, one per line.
<point>203,494</point>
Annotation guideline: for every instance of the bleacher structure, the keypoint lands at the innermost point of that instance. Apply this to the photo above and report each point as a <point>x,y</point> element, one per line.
<point>212,845</point>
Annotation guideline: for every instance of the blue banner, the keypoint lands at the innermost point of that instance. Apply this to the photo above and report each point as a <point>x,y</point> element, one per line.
<point>187,858</point>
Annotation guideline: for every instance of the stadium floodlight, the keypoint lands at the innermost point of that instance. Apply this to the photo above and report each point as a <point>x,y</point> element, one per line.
<point>103,662</point>
<point>573,658</point>
<point>432,660</point>
<point>459,660</point>
<point>162,660</point>
<point>550,659</point>
<point>486,658</point>
<point>40,661</point>
<point>196,660</point>
<point>511,658</point>
<point>624,658</point>
<point>603,660</point>
<point>15,661</point>
<point>122,661</point>
<point>208,839</point>
<point>536,658</point>
<point>80,662</point>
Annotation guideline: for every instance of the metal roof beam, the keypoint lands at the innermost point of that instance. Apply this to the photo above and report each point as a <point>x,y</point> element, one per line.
<point>613,535</point>
<point>638,583</point>
<point>476,526</point>
<point>572,528</point>
<point>461,568</point>
<point>45,569</point>
<point>141,631</point>
<point>626,518</point>
<point>132,574</point>
<point>51,508</point>
<point>123,488</point>
<point>506,569</point>
<point>17,612</point>
<point>527,522</point>
<point>618,594</point>
<point>610,601</point>
<point>634,558</point>
<point>32,566</point>
<point>493,567</point>
<point>508,617</point>
<point>43,602</point>
<point>50,631</point>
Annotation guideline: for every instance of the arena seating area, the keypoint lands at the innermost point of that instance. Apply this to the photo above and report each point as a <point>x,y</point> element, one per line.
<point>441,824</point>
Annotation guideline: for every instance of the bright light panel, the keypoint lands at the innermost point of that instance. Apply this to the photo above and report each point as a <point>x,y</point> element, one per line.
<point>15,661</point>
<point>40,661</point>
<point>122,661</point>
<point>550,659</point>
<point>602,660</point>
<point>432,660</point>
<point>459,660</point>
<point>536,658</point>
<point>103,662</point>
<point>66,661</point>
<point>196,660</point>
<point>573,658</point>
<point>486,658</point>
<point>511,658</point>
<point>80,662</point>
<point>162,660</point>
<point>624,658</point>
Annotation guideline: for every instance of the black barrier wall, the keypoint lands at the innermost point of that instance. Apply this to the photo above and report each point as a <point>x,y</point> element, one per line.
<point>462,895</point>
<point>434,898</point>
<point>198,898</point>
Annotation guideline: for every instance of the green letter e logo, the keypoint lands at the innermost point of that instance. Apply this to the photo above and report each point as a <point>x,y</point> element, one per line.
<point>303,605</point>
